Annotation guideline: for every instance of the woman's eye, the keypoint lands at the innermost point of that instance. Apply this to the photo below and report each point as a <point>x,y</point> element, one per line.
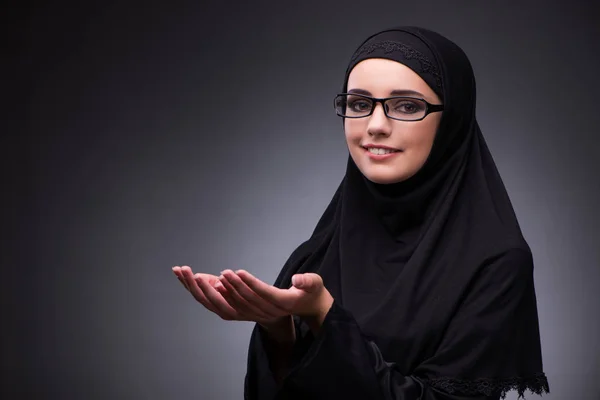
<point>360,105</point>
<point>407,107</point>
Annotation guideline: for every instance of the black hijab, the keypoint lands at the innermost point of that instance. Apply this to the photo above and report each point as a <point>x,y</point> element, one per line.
<point>404,259</point>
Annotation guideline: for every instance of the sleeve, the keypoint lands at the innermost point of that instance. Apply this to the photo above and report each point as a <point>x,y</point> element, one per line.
<point>490,347</point>
<point>260,382</point>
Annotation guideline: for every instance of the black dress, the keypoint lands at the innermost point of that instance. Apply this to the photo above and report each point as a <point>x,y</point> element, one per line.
<point>432,278</point>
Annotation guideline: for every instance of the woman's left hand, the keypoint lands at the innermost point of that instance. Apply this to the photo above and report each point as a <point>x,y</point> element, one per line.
<point>307,297</point>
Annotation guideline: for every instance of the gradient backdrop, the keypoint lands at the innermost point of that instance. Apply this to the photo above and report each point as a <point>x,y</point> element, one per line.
<point>205,135</point>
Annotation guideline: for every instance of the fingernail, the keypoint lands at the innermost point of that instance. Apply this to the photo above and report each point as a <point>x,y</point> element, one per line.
<point>297,280</point>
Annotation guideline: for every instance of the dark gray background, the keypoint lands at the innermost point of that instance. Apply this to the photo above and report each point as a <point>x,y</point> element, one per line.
<point>204,135</point>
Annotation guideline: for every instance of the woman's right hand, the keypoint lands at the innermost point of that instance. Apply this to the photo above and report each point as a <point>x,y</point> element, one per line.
<point>209,291</point>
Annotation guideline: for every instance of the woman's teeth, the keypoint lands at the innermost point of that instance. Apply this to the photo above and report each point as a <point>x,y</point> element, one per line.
<point>380,151</point>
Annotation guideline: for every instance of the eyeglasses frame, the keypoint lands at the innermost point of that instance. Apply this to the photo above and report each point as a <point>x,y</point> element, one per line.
<point>429,108</point>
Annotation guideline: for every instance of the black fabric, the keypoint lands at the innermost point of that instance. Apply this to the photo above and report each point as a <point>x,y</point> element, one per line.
<point>432,278</point>
<point>403,47</point>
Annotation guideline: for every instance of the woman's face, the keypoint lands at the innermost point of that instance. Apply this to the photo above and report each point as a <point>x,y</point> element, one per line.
<point>378,77</point>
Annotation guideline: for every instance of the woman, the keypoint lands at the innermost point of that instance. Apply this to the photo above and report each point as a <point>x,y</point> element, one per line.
<point>416,282</point>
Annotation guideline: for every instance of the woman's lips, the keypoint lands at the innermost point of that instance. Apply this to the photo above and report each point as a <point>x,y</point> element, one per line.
<point>381,156</point>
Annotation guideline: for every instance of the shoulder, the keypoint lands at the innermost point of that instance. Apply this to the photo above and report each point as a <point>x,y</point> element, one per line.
<point>514,256</point>
<point>512,268</point>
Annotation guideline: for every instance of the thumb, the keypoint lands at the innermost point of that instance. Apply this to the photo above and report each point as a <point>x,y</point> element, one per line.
<point>308,282</point>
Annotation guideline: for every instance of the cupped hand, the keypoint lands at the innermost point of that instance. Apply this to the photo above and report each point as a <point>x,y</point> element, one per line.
<point>307,297</point>
<point>209,291</point>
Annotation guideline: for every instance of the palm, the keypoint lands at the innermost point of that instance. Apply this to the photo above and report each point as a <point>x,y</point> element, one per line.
<point>305,301</point>
<point>240,296</point>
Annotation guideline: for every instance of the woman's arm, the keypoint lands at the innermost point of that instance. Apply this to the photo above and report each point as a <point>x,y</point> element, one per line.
<point>342,363</point>
<point>279,338</point>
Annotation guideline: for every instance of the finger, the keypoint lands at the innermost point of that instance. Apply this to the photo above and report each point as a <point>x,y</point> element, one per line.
<point>223,309</point>
<point>264,290</point>
<point>179,275</point>
<point>221,289</point>
<point>211,279</point>
<point>193,282</point>
<point>185,271</point>
<point>250,296</point>
<point>233,297</point>
<point>309,282</point>
<point>183,282</point>
<point>195,290</point>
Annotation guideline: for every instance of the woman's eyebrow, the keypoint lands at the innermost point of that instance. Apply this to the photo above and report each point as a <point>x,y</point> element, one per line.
<point>404,92</point>
<point>360,91</point>
<point>397,92</point>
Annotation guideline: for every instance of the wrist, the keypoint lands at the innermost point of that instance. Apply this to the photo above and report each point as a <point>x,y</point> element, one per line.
<point>315,321</point>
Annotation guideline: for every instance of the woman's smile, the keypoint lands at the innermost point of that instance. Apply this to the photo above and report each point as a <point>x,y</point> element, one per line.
<point>380,153</point>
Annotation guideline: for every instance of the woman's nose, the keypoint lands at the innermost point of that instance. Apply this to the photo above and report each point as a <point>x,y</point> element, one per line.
<point>379,123</point>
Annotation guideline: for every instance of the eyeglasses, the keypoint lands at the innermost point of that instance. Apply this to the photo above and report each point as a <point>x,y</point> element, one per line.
<point>351,105</point>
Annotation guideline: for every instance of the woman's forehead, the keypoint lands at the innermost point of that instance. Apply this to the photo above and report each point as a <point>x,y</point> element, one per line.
<point>382,77</point>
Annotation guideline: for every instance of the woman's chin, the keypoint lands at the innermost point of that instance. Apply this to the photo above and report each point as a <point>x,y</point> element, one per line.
<point>384,179</point>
